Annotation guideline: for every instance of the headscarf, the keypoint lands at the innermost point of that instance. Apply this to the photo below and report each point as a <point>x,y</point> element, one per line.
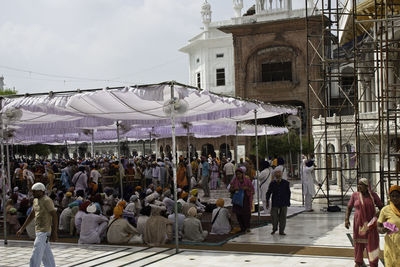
<point>364,181</point>
<point>394,188</point>
<point>392,206</point>
<point>184,194</point>
<point>84,205</point>
<point>192,212</point>
<point>122,203</point>
<point>220,202</point>
<point>118,212</point>
<point>194,192</point>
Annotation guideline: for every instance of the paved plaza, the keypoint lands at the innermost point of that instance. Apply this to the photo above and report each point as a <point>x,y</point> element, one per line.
<point>313,239</point>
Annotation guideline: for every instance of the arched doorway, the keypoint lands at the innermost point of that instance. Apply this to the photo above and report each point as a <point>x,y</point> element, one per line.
<point>224,151</point>
<point>208,149</point>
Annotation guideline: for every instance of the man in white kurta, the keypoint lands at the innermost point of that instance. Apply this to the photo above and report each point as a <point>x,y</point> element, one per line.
<point>308,184</point>
<point>265,179</point>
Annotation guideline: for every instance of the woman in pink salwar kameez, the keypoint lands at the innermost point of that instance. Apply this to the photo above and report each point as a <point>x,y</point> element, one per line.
<point>214,175</point>
<point>365,233</point>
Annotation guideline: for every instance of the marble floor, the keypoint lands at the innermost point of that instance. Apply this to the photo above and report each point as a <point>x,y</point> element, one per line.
<point>70,255</point>
<point>307,229</point>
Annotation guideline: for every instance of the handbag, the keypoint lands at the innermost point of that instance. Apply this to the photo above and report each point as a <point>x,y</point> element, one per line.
<point>238,197</point>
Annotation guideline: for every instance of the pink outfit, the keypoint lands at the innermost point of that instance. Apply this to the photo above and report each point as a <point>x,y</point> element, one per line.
<point>363,236</point>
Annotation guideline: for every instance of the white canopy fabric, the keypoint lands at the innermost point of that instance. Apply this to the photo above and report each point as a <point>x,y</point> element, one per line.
<point>140,109</point>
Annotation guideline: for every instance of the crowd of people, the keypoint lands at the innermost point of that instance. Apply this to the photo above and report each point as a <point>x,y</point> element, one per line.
<point>87,207</point>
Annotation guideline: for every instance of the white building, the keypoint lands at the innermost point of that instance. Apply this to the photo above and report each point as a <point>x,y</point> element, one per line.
<point>211,57</point>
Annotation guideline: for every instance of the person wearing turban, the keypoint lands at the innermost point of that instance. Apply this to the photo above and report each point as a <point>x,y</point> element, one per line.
<point>220,219</point>
<point>120,231</point>
<point>192,229</point>
<point>365,233</point>
<point>389,224</point>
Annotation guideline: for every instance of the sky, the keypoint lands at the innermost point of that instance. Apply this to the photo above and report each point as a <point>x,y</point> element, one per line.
<point>58,45</point>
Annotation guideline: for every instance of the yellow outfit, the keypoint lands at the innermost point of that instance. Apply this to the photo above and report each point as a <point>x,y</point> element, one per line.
<point>392,241</point>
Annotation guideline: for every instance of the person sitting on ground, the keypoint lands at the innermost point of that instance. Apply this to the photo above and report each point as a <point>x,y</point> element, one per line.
<point>142,219</point>
<point>186,207</point>
<point>12,218</point>
<point>120,231</point>
<point>181,219</point>
<point>134,205</point>
<point>79,215</point>
<point>195,193</point>
<point>192,229</point>
<point>220,219</point>
<point>93,226</point>
<point>183,198</point>
<point>158,228</point>
<point>67,199</point>
<point>168,202</point>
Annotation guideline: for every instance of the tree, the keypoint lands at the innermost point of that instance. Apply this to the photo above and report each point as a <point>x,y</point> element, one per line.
<point>8,91</point>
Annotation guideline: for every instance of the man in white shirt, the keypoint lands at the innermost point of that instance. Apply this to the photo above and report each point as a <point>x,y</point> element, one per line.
<point>229,170</point>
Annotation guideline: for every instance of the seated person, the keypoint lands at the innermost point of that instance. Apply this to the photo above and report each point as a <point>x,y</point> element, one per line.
<point>158,228</point>
<point>169,203</point>
<point>220,219</point>
<point>79,215</point>
<point>181,218</point>
<point>120,231</point>
<point>142,219</point>
<point>93,226</point>
<point>192,229</point>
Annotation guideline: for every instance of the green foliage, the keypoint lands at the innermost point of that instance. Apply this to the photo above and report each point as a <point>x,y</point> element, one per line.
<point>279,145</point>
<point>8,91</point>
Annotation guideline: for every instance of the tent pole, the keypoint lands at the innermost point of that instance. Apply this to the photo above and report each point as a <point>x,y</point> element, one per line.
<point>236,144</point>
<point>174,169</point>
<point>188,145</point>
<point>266,142</point>
<point>119,161</point>
<point>301,157</point>
<point>257,167</point>
<point>226,147</point>
<point>8,166</point>
<point>92,146</point>
<point>3,180</point>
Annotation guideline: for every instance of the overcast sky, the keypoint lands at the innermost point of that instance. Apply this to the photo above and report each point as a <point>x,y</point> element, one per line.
<point>55,45</point>
<point>104,42</point>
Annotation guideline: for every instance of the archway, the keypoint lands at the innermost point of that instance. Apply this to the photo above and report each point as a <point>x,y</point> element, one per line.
<point>208,149</point>
<point>224,150</point>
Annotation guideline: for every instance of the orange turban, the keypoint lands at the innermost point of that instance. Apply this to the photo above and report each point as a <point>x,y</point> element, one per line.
<point>184,194</point>
<point>122,204</point>
<point>159,189</point>
<point>192,200</point>
<point>394,188</point>
<point>118,210</point>
<point>220,202</point>
<point>138,188</point>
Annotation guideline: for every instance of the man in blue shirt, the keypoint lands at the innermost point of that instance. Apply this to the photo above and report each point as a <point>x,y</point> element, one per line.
<point>205,176</point>
<point>280,191</point>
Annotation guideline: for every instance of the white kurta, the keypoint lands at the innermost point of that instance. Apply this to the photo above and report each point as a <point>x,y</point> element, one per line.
<point>308,180</point>
<point>265,179</point>
<point>221,225</point>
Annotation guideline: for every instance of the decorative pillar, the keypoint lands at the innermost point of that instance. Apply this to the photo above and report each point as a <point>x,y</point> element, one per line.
<point>237,7</point>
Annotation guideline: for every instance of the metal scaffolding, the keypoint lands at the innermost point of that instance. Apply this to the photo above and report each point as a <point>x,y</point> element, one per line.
<point>356,131</point>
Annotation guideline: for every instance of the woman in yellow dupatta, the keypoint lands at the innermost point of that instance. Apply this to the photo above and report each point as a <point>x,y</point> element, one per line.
<point>391,214</point>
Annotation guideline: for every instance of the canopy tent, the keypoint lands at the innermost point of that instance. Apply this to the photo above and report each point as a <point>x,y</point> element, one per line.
<point>202,129</point>
<point>67,115</point>
<point>56,117</point>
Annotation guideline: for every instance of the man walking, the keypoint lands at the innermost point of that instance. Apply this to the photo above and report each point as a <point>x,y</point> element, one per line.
<point>280,191</point>
<point>46,225</point>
